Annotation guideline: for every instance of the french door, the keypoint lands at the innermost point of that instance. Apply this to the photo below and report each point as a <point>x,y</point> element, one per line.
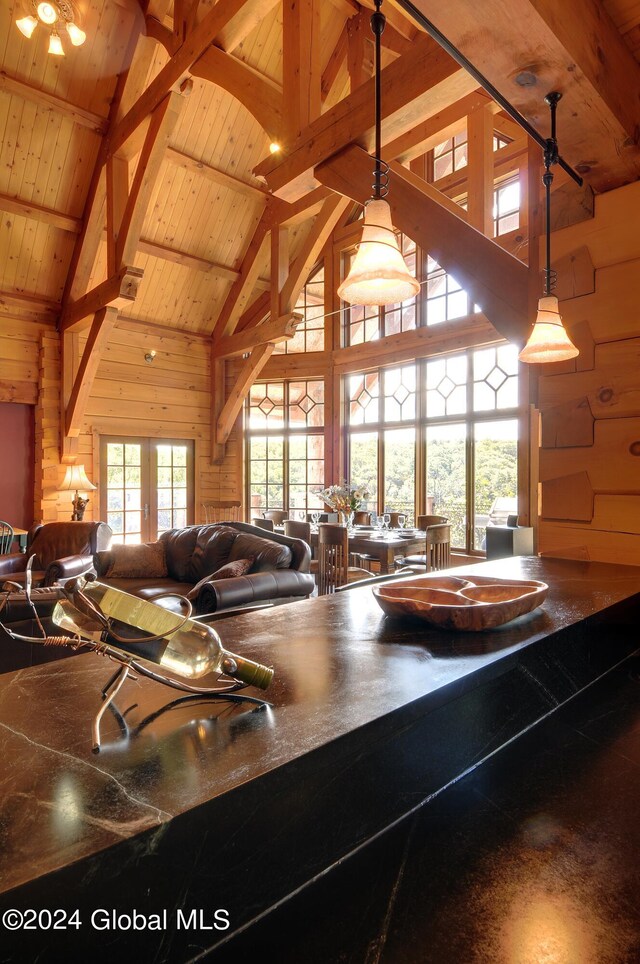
<point>146,486</point>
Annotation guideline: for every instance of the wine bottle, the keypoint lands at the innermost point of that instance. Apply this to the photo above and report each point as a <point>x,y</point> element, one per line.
<point>187,648</point>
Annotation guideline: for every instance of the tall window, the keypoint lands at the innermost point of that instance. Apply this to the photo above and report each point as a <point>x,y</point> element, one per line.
<point>309,334</point>
<point>450,156</point>
<point>449,420</point>
<point>146,486</point>
<point>506,206</point>
<point>368,322</point>
<point>285,445</point>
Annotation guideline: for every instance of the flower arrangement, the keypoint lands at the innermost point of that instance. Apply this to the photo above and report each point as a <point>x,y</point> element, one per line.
<point>344,497</point>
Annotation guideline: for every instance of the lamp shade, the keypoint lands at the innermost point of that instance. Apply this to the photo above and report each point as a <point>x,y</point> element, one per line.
<point>55,45</point>
<point>548,341</point>
<point>378,275</point>
<point>26,25</point>
<point>76,35</point>
<point>76,478</point>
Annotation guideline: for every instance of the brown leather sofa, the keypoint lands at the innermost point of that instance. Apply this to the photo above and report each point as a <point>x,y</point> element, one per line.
<point>280,569</point>
<point>61,550</point>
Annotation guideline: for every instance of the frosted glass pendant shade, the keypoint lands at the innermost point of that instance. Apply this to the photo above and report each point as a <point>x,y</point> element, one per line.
<point>26,25</point>
<point>55,45</point>
<point>548,341</point>
<point>76,35</point>
<point>378,275</point>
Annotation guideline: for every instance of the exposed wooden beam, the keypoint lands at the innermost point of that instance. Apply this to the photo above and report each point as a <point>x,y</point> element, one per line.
<point>273,331</point>
<point>29,301</point>
<point>428,134</point>
<point>86,118</point>
<point>494,279</point>
<point>117,292</point>
<point>301,69</point>
<point>218,392</point>
<point>176,70</point>
<point>396,18</point>
<point>241,289</point>
<point>279,265</point>
<point>336,68</point>
<point>163,121</point>
<point>254,189</point>
<point>36,212</point>
<point>416,86</point>
<point>162,34</point>
<point>261,96</point>
<point>256,313</point>
<point>117,180</point>
<point>480,170</point>
<point>360,50</point>
<point>285,213</point>
<point>325,222</point>
<point>250,370</point>
<point>571,46</point>
<point>249,15</point>
<point>101,327</point>
<point>166,253</point>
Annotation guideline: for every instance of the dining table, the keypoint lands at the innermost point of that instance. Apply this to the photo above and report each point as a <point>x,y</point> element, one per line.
<point>383,545</point>
<point>20,535</point>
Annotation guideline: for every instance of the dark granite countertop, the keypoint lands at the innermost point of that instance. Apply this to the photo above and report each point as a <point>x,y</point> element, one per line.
<point>350,684</point>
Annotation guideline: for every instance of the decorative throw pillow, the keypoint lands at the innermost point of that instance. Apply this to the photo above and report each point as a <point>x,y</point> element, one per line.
<point>240,567</point>
<point>138,562</point>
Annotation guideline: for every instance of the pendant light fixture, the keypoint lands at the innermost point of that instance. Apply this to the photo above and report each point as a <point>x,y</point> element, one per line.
<point>378,275</point>
<point>549,341</point>
<point>54,15</point>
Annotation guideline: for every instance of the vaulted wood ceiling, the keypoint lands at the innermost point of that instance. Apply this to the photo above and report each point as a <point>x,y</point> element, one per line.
<point>205,205</point>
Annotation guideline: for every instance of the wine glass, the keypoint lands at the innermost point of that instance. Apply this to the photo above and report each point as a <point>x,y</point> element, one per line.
<point>402,519</point>
<point>315,518</point>
<point>387,520</point>
<point>379,523</point>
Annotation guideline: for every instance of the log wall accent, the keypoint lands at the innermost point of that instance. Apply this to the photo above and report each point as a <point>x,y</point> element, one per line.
<point>590,407</point>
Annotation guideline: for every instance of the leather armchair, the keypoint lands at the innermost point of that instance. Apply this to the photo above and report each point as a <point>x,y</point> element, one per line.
<point>61,550</point>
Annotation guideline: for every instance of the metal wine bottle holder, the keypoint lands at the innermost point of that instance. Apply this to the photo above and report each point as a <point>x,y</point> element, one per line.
<point>228,687</point>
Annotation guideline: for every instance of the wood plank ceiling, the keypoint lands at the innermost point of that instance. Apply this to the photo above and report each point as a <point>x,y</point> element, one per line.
<point>206,203</point>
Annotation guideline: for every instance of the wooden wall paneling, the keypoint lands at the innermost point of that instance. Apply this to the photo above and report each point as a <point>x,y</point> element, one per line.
<point>576,274</point>
<point>612,311</point>
<point>612,462</point>
<point>610,236</point>
<point>576,541</point>
<point>568,497</point>
<point>611,387</point>
<point>568,425</point>
<point>617,513</point>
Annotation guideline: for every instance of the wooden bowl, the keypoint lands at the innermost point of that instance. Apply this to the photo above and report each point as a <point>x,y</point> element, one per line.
<point>466,602</point>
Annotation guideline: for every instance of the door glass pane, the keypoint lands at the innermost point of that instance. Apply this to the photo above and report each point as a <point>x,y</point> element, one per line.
<point>123,495</point>
<point>496,475</point>
<point>171,485</point>
<point>400,471</point>
<point>446,477</point>
<point>364,466</point>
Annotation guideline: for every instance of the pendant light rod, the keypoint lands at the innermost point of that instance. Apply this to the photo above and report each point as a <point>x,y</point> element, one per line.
<point>493,92</point>
<point>550,158</point>
<point>378,23</point>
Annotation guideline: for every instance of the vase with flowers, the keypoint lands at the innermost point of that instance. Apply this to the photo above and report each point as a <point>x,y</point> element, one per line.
<point>344,499</point>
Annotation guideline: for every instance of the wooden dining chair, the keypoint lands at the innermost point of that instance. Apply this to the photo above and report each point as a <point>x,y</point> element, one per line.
<point>277,516</point>
<point>221,512</point>
<point>333,560</point>
<point>301,530</point>
<point>263,524</point>
<point>437,550</point>
<point>361,518</point>
<point>430,520</point>
<point>6,538</point>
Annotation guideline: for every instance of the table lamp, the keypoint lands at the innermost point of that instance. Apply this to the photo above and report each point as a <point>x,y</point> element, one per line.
<point>75,478</point>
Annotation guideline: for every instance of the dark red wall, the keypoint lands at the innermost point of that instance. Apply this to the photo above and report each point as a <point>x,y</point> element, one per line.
<point>17,469</point>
